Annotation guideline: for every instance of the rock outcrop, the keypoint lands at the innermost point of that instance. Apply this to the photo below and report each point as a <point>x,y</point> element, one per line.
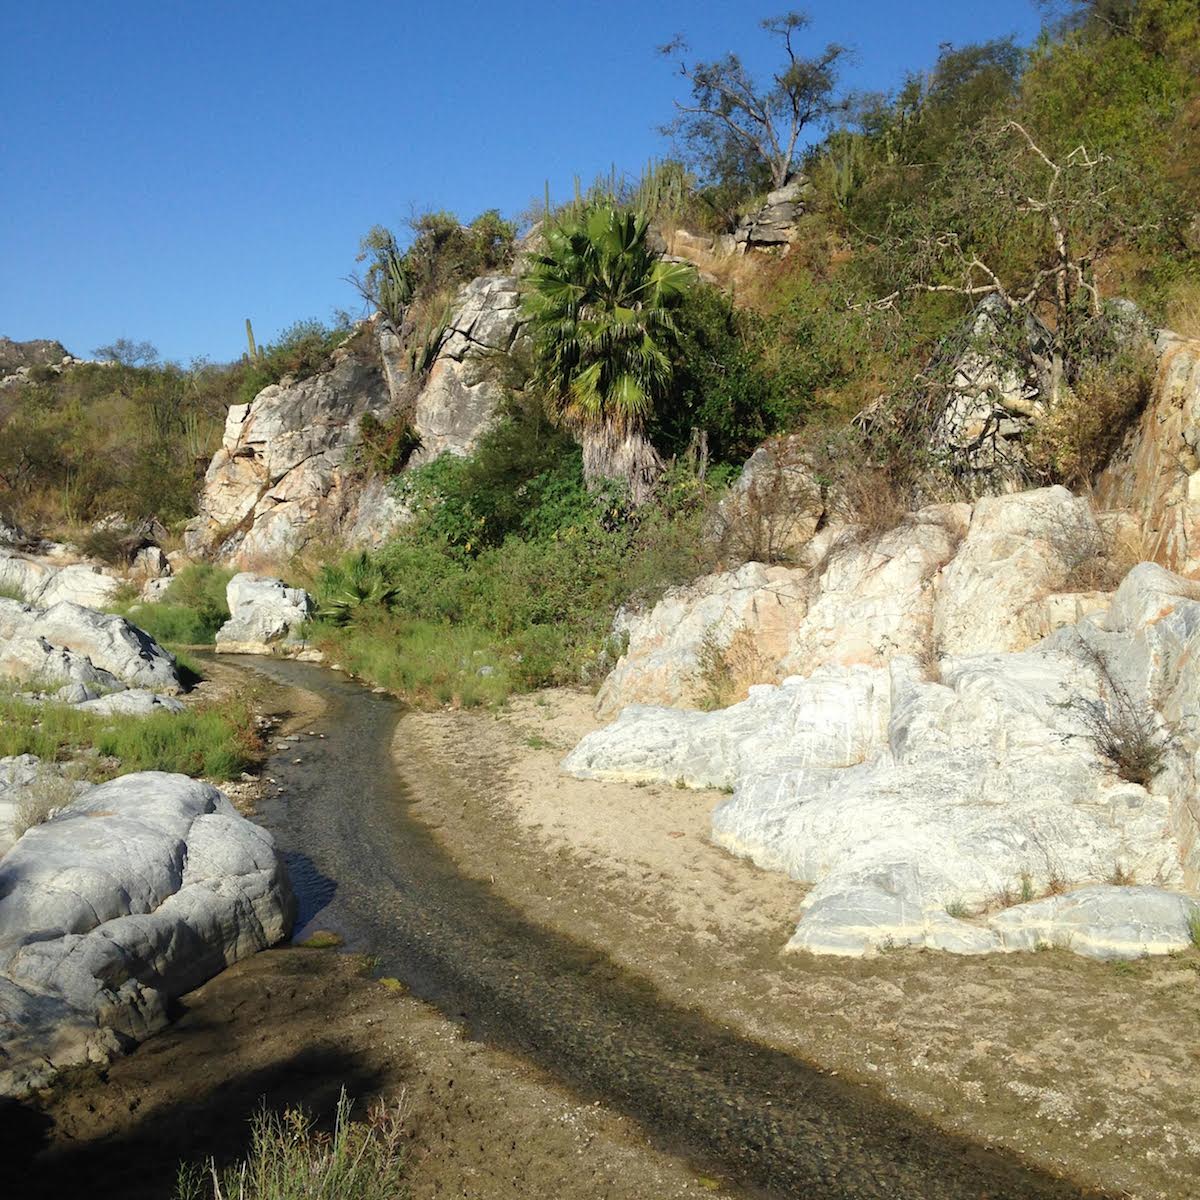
<point>949,579</point>
<point>133,894</point>
<point>909,801</point>
<point>265,615</point>
<point>459,398</point>
<point>287,472</point>
<point>71,645</point>
<point>774,224</point>
<point>1155,476</point>
<point>284,474</point>
<point>662,662</point>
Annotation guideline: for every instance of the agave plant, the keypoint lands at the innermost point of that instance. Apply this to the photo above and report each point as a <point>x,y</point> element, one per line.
<point>599,304</point>
<point>355,583</point>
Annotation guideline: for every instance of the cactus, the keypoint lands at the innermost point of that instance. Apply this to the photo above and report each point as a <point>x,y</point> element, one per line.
<point>250,340</point>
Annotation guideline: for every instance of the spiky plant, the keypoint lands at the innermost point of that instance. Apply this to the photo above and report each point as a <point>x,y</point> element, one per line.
<point>356,583</point>
<point>599,303</point>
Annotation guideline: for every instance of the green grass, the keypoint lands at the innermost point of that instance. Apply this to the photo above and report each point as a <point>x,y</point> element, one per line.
<point>201,742</point>
<point>11,593</point>
<point>291,1159</point>
<point>426,662</point>
<point>191,611</point>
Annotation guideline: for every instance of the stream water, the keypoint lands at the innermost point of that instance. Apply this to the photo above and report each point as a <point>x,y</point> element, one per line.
<point>364,866</point>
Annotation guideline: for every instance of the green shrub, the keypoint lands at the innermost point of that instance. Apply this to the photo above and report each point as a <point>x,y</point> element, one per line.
<point>191,610</point>
<point>302,350</point>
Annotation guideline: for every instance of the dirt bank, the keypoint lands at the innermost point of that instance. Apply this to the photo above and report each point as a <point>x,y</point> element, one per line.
<point>1087,1069</point>
<point>292,1026</point>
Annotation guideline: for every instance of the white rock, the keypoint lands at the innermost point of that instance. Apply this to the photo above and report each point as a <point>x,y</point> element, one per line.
<point>264,614</point>
<point>1018,548</point>
<point>662,662</point>
<point>136,893</point>
<point>834,719</point>
<point>1102,922</point>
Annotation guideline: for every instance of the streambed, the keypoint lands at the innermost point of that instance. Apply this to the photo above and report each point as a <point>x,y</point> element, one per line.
<point>367,868</point>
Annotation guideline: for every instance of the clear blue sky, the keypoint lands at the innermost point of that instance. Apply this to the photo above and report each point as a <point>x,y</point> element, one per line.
<point>173,167</point>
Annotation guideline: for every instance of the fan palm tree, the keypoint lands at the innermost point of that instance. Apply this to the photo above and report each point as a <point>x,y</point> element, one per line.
<point>599,304</point>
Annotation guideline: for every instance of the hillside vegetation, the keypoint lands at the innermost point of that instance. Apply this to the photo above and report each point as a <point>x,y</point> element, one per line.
<point>1047,180</point>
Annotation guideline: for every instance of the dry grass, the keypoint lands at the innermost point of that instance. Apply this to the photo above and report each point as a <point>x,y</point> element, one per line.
<point>49,792</point>
<point>726,671</point>
<point>1183,309</point>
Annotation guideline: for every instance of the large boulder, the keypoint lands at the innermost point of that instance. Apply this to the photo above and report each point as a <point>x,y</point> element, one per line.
<point>135,893</point>
<point>908,802</point>
<point>40,580</point>
<point>265,615</point>
<point>73,644</point>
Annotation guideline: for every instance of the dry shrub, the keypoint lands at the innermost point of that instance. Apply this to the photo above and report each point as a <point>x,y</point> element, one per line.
<point>770,514</point>
<point>1074,441</point>
<point>1124,729</point>
<point>41,799</point>
<point>1183,309</point>
<point>726,671</point>
<point>1095,561</point>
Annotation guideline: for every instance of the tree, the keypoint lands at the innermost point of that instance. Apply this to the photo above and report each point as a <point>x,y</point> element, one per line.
<point>735,123</point>
<point>1010,222</point>
<point>600,305</point>
<point>128,353</point>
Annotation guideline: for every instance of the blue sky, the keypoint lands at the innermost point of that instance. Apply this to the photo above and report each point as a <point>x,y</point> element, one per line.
<point>172,168</point>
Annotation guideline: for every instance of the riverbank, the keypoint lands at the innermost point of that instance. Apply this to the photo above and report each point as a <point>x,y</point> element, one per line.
<point>293,1026</point>
<point>1087,1069</point>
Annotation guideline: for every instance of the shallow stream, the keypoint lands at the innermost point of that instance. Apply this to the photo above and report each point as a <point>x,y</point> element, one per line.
<point>365,867</point>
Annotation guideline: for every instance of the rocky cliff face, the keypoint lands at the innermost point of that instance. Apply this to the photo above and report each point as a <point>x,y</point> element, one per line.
<point>287,473</point>
<point>1155,476</point>
<point>942,722</point>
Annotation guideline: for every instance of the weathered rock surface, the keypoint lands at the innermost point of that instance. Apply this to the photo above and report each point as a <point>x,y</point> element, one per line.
<point>135,893</point>
<point>950,579</point>
<point>774,224</point>
<point>1155,475</point>
<point>265,614</point>
<point>1017,549</point>
<point>287,472</point>
<point>41,580</point>
<point>1102,921</point>
<point>996,395</point>
<point>73,644</point>
<point>458,400</point>
<point>873,598</point>
<point>899,797</point>
<point>662,662</point>
<point>284,473</point>
<point>19,774</point>
<point>773,509</point>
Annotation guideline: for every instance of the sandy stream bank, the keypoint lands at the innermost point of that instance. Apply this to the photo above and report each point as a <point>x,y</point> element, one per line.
<point>1084,1068</point>
<point>1087,1069</point>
